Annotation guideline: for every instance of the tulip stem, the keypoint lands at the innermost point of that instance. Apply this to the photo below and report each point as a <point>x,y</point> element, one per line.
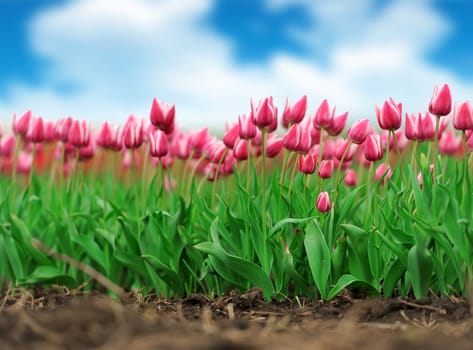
<point>398,154</point>
<point>436,148</point>
<point>287,154</point>
<point>248,165</point>
<point>339,170</point>
<point>369,196</point>
<point>214,185</point>
<point>263,182</point>
<point>293,172</point>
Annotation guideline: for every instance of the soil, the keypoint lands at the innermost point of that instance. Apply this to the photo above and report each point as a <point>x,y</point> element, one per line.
<point>63,319</point>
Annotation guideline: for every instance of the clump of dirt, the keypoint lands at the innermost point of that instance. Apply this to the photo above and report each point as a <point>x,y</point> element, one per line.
<point>61,319</point>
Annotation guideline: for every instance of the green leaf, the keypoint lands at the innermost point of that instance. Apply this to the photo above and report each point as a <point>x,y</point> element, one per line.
<point>173,279</point>
<point>47,274</point>
<point>279,225</point>
<point>346,281</point>
<point>394,274</point>
<point>318,255</point>
<point>246,269</point>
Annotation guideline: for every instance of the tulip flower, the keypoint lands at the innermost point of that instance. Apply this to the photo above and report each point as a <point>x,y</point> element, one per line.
<point>24,163</point>
<point>217,151</point>
<point>389,115</point>
<point>35,131</point>
<point>61,129</point>
<point>426,128</point>
<point>105,136</point>
<point>265,114</point>
<point>307,163</point>
<point>133,133</point>
<point>359,131</point>
<point>295,114</point>
<point>180,146</point>
<point>463,116</point>
<point>344,149</point>
<point>326,169</point>
<point>21,124</point>
<point>383,173</point>
<point>240,150</point>
<point>323,202</point>
<point>412,126</point>
<point>162,116</point>
<point>373,149</point>
<point>350,178</point>
<point>79,133</point>
<point>158,144</point>
<point>198,139</point>
<point>274,146</point>
<point>247,128</point>
<point>449,143</point>
<point>338,124</point>
<point>323,116</point>
<point>231,135</point>
<point>441,102</point>
<point>7,145</point>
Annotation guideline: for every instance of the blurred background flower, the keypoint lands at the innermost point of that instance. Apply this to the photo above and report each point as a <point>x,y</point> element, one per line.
<point>103,60</point>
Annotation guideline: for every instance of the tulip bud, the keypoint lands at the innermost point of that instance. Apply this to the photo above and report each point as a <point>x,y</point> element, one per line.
<point>231,136</point>
<point>307,163</point>
<point>247,129</point>
<point>389,115</point>
<point>35,131</point>
<point>359,131</point>
<point>338,124</point>
<point>350,178</point>
<point>79,133</point>
<point>326,169</point>
<point>265,114</point>
<point>240,150</point>
<point>323,202</point>
<point>274,146</point>
<point>323,116</point>
<point>463,116</point>
<point>383,173</point>
<point>61,129</point>
<point>295,114</point>
<point>21,124</point>
<point>158,144</point>
<point>441,102</point>
<point>373,149</point>
<point>162,116</point>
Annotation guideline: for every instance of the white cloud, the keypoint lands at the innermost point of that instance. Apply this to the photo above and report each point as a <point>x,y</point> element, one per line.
<point>120,54</point>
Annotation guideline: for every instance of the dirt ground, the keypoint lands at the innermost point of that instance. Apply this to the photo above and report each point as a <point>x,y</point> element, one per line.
<point>60,319</point>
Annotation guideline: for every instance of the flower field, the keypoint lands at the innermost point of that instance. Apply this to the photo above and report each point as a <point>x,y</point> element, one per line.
<point>291,201</point>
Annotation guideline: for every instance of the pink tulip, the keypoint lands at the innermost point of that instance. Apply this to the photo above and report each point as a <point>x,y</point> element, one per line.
<point>24,163</point>
<point>21,124</point>
<point>217,151</point>
<point>412,126</point>
<point>35,131</point>
<point>383,173</point>
<point>341,147</point>
<point>323,202</point>
<point>7,145</point>
<point>79,133</point>
<point>105,136</point>
<point>274,146</point>
<point>323,116</point>
<point>389,115</point>
<point>426,128</point>
<point>87,152</point>
<point>162,115</point>
<point>326,169</point>
<point>295,114</point>
<point>350,178</point>
<point>247,128</point>
<point>359,131</point>
<point>463,116</point>
<point>449,143</point>
<point>231,135</point>
<point>292,139</point>
<point>198,139</point>
<point>338,124</point>
<point>240,150</point>
<point>441,102</point>
<point>61,130</point>
<point>180,146</point>
<point>307,163</point>
<point>158,144</point>
<point>133,133</point>
<point>265,114</point>
<point>373,149</point>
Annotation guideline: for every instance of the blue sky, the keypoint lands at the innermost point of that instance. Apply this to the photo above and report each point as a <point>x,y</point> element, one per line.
<point>103,60</point>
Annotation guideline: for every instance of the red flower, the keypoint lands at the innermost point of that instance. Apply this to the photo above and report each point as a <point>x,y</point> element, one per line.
<point>323,202</point>
<point>389,115</point>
